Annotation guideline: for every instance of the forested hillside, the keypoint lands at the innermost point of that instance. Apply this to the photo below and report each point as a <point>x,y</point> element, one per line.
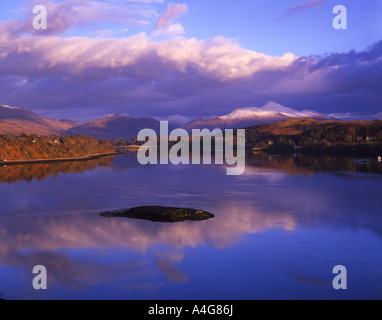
<point>311,135</point>
<point>28,147</point>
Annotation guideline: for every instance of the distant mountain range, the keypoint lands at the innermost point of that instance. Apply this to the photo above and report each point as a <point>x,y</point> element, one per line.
<point>115,127</point>
<point>19,120</point>
<point>246,117</point>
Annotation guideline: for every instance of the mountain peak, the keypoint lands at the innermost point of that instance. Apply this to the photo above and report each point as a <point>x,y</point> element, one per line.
<point>8,107</point>
<point>117,116</point>
<point>271,112</point>
<point>271,105</point>
<point>270,109</point>
<point>274,106</point>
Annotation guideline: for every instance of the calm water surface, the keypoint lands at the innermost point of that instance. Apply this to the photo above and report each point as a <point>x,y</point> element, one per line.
<point>278,232</point>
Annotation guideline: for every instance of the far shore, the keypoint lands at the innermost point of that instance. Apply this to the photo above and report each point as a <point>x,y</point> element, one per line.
<point>52,160</point>
<point>132,146</point>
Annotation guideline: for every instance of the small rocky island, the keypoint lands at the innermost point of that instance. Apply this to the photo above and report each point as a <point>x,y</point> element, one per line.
<point>160,214</point>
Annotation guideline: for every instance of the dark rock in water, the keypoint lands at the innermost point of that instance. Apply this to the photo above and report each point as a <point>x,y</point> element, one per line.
<point>161,214</point>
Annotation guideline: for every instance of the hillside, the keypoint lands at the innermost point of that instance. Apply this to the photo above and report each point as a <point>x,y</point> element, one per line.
<point>19,120</point>
<point>32,147</point>
<point>115,127</point>
<point>312,135</point>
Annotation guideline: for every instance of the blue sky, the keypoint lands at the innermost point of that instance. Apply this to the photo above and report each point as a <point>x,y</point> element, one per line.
<point>192,58</point>
<point>265,27</point>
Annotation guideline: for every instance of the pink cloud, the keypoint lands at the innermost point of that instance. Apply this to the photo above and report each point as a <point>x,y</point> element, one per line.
<point>170,30</point>
<point>136,56</point>
<point>172,13</point>
<point>300,7</point>
<point>306,5</point>
<point>73,13</point>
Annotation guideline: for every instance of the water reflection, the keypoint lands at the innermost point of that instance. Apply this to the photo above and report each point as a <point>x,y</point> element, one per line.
<point>308,164</point>
<point>41,240</point>
<point>285,222</point>
<point>40,171</point>
<point>294,165</point>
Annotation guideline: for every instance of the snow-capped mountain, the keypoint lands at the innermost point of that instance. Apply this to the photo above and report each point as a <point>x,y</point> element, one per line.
<point>247,117</point>
<point>269,110</point>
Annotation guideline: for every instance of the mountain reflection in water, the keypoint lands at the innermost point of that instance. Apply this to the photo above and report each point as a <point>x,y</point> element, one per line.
<point>297,164</point>
<point>40,171</point>
<point>278,230</point>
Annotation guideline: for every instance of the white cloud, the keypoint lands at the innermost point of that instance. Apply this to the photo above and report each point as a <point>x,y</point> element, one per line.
<point>170,30</point>
<point>218,58</point>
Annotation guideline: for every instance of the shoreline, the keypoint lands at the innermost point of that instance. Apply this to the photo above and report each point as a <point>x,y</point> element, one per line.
<point>53,160</point>
<point>131,147</point>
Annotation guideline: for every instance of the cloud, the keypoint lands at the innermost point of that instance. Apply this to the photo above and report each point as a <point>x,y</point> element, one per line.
<point>143,1</point>
<point>301,7</point>
<point>173,274</point>
<point>135,57</point>
<point>83,13</point>
<point>164,25</point>
<point>172,13</point>
<point>306,5</point>
<point>77,77</point>
<point>170,30</point>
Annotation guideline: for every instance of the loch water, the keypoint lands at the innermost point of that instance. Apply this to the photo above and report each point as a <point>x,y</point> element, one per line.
<point>278,232</point>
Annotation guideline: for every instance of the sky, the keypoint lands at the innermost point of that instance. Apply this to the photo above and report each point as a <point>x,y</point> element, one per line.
<point>190,59</point>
